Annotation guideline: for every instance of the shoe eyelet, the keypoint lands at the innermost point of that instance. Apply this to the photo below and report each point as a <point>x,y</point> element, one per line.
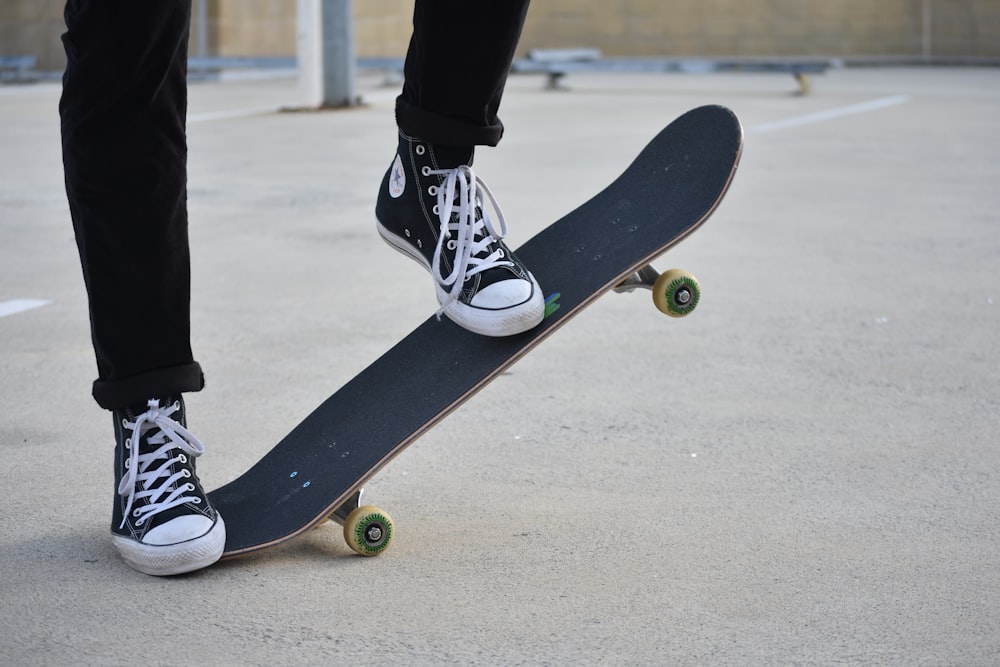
<point>436,209</point>
<point>420,149</point>
<point>407,233</point>
<point>135,513</point>
<point>432,191</point>
<point>196,501</point>
<point>426,171</point>
<point>182,458</point>
<point>451,244</point>
<point>190,487</point>
<point>186,473</point>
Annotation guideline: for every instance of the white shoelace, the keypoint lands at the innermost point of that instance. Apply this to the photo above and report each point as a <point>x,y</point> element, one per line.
<point>460,234</point>
<point>141,479</point>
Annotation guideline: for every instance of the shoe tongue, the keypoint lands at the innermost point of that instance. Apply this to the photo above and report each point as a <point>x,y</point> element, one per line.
<point>449,157</point>
<point>165,402</point>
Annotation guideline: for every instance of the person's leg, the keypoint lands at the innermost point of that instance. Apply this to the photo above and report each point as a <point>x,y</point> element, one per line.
<point>125,158</point>
<point>456,69</point>
<point>124,152</point>
<point>431,205</point>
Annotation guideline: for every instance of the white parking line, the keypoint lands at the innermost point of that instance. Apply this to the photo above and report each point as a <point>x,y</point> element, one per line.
<point>830,114</point>
<point>20,305</point>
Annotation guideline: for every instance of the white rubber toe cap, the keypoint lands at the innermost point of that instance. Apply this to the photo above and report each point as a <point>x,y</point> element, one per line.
<point>504,294</point>
<point>181,529</point>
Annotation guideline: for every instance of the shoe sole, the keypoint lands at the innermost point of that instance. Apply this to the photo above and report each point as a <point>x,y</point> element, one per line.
<point>401,245</point>
<point>170,559</point>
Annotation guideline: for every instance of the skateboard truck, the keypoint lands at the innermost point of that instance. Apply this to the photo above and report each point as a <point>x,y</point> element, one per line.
<point>368,530</point>
<point>675,292</point>
<point>352,503</point>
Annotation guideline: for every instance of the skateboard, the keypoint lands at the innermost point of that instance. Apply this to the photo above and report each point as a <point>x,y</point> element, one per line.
<point>318,470</point>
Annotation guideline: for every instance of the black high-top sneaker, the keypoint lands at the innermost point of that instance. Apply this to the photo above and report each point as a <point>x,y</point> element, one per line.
<point>162,522</point>
<point>431,208</point>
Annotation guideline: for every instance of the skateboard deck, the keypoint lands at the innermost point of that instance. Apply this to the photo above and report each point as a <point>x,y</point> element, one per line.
<point>317,471</point>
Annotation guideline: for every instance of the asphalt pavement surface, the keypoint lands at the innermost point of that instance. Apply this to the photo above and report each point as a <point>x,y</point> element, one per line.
<point>804,471</point>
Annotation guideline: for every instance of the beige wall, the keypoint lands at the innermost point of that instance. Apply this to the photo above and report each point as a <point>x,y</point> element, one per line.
<point>726,27</point>
<point>250,27</point>
<point>617,27</point>
<point>33,27</point>
<point>268,27</point>
<point>382,27</point>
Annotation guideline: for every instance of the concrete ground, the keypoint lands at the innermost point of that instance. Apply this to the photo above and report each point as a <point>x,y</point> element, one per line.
<point>805,471</point>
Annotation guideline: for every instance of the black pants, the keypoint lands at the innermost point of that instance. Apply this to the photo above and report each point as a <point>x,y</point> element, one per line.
<point>123,112</point>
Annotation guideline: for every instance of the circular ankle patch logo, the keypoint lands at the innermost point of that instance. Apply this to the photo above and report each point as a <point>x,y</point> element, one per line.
<point>397,179</point>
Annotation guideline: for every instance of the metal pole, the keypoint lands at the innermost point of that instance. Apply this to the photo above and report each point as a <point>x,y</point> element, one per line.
<point>928,19</point>
<point>338,53</point>
<point>202,28</point>
<point>326,53</point>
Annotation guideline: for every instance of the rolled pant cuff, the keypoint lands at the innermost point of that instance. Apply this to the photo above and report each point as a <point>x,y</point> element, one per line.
<point>438,129</point>
<point>116,394</point>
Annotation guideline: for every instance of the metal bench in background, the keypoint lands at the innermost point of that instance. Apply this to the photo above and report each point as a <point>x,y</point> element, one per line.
<point>17,68</point>
<point>556,64</point>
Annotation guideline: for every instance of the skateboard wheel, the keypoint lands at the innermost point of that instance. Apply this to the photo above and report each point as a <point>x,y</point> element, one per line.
<point>368,530</point>
<point>676,293</point>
